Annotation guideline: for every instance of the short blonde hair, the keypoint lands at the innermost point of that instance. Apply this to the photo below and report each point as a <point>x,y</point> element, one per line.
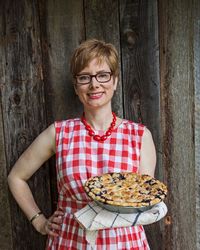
<point>94,49</point>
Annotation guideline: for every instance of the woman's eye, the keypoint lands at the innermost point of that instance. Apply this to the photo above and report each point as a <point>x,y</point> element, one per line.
<point>103,75</point>
<point>84,78</point>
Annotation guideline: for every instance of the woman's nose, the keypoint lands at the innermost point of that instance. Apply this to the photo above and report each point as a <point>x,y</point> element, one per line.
<point>94,83</point>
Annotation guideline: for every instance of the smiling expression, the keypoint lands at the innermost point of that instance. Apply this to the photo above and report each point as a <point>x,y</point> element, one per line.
<point>95,94</point>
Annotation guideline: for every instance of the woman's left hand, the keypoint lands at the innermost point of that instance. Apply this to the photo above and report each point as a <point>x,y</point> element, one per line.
<point>50,226</point>
<point>54,223</point>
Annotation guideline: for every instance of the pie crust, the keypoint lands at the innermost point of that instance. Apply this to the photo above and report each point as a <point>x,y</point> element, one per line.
<point>126,189</point>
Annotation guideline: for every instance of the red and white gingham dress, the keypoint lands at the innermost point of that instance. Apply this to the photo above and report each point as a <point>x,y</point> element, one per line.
<point>78,157</point>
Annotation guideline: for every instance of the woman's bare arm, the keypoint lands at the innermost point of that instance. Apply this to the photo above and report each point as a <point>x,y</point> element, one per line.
<point>29,162</point>
<point>148,154</point>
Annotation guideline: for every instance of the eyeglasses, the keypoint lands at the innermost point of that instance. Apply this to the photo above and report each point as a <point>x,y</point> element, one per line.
<point>101,77</point>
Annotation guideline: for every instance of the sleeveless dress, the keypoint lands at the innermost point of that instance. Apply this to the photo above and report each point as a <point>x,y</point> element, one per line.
<point>78,157</point>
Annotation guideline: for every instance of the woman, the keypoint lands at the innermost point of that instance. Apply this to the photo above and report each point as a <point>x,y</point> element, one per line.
<point>94,144</point>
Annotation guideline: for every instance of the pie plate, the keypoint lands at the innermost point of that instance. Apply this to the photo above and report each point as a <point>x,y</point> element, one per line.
<point>122,209</point>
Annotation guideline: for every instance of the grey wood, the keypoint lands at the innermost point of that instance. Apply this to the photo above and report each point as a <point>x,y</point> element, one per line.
<point>62,30</point>
<point>101,22</point>
<point>23,109</point>
<point>141,86</point>
<point>62,27</point>
<point>5,217</point>
<point>197,114</point>
<point>177,99</point>
<point>36,43</point>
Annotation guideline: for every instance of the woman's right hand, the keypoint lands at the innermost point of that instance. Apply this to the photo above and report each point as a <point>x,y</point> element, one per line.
<point>50,226</point>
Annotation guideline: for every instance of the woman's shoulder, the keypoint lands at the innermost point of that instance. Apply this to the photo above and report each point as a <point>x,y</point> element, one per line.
<point>133,128</point>
<point>67,122</point>
<point>137,129</point>
<point>133,125</point>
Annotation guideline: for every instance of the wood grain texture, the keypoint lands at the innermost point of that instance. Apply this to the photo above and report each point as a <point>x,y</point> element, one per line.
<point>62,30</point>
<point>36,43</point>
<point>62,27</point>
<point>22,98</point>
<point>101,22</point>
<point>5,217</point>
<point>177,98</point>
<point>141,89</point>
<point>197,114</point>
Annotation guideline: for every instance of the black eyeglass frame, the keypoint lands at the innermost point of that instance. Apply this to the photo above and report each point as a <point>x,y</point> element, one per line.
<point>91,76</point>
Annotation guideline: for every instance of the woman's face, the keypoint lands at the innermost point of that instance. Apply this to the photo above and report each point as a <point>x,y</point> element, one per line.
<point>95,94</point>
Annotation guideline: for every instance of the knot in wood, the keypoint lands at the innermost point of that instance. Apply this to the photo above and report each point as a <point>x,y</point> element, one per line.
<point>22,139</point>
<point>168,220</point>
<point>131,37</point>
<point>16,99</point>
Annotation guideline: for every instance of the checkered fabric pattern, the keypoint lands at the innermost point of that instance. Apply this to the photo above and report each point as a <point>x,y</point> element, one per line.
<point>79,157</point>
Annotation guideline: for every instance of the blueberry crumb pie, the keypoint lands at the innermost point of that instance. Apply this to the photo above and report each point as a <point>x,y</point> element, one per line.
<point>126,189</point>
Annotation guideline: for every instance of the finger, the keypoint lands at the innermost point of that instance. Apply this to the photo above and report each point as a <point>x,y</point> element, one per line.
<point>61,209</point>
<point>49,226</point>
<point>53,233</point>
<point>58,213</point>
<point>57,220</point>
<point>51,229</point>
<point>55,226</point>
<point>57,217</point>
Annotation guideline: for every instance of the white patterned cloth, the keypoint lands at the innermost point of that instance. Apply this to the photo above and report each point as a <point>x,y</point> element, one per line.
<point>93,218</point>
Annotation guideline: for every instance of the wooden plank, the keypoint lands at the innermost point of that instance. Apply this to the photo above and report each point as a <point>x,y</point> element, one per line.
<point>62,26</point>
<point>177,98</point>
<point>141,89</point>
<point>23,107</point>
<point>62,30</point>
<point>5,219</point>
<point>101,22</point>
<point>197,114</point>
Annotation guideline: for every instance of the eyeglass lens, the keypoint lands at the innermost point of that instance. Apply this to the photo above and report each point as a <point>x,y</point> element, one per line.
<point>100,77</point>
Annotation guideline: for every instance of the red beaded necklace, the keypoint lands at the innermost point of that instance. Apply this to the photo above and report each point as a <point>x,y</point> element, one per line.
<point>92,133</point>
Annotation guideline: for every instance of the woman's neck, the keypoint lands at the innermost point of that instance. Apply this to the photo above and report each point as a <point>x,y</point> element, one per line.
<point>99,119</point>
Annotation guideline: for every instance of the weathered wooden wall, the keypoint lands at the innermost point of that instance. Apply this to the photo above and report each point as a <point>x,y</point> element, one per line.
<point>176,22</point>
<point>157,42</point>
<point>140,76</point>
<point>5,229</point>
<point>23,107</point>
<point>197,136</point>
<point>197,114</point>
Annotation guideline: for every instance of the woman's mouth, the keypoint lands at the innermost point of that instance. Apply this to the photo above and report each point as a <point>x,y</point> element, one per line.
<point>95,95</point>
